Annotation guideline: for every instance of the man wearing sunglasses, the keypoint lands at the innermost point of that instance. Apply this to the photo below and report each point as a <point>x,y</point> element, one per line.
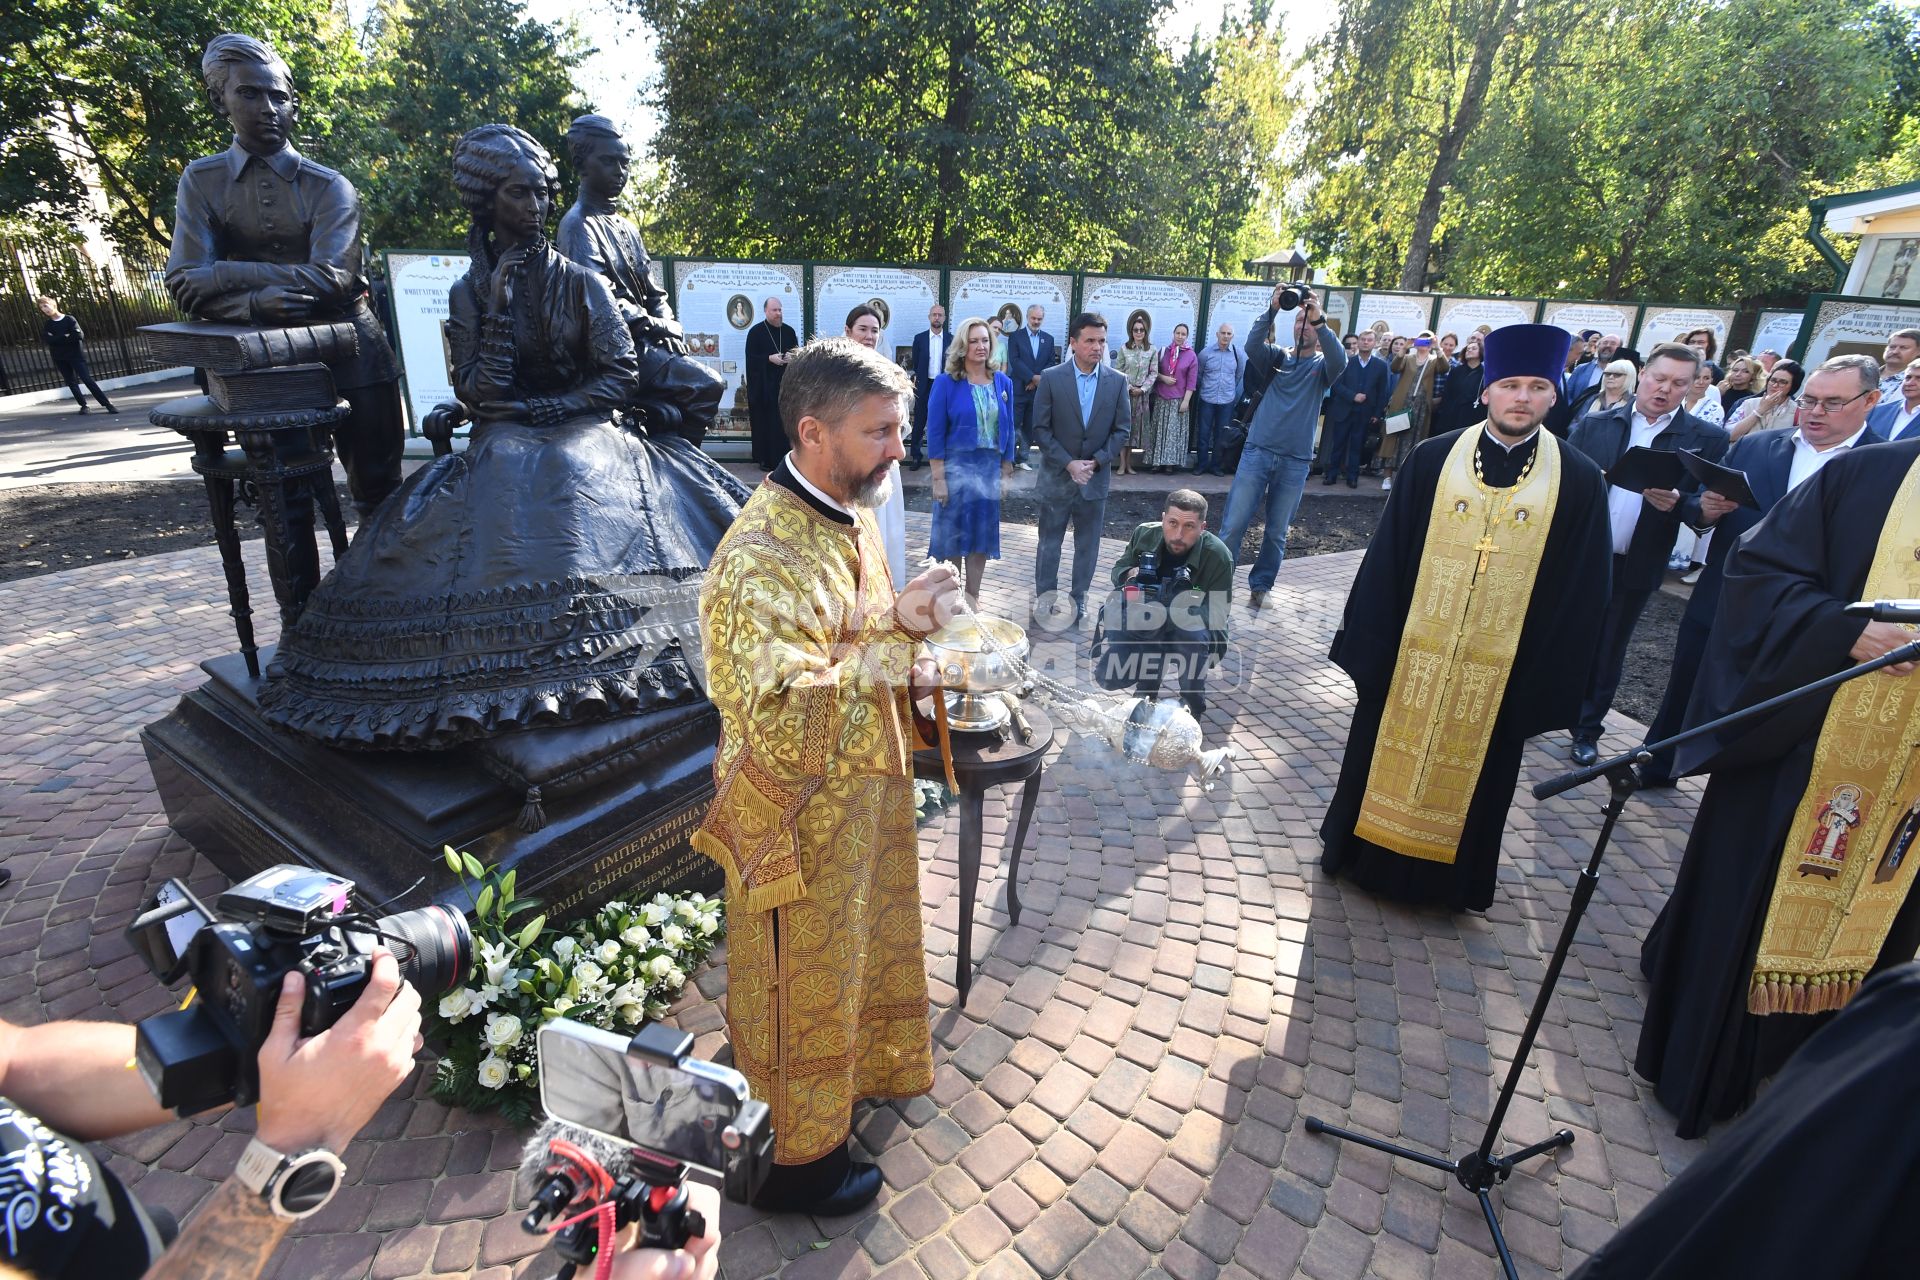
<point>1833,419</point>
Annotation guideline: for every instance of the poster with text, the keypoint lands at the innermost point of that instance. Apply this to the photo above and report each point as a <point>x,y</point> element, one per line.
<point>1673,324</point>
<point>994,296</point>
<point>1776,330</point>
<point>1165,303</point>
<point>421,284</point>
<point>1464,317</point>
<point>718,302</point>
<point>1607,317</point>
<point>1394,314</point>
<point>1846,328</point>
<point>902,296</point>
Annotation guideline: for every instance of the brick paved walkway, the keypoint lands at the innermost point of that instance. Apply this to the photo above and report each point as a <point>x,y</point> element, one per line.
<point>1123,1094</point>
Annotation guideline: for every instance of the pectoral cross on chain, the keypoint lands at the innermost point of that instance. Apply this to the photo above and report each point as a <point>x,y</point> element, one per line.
<point>1486,548</point>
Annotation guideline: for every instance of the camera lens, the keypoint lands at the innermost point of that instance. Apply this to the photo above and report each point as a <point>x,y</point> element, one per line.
<point>1289,299</point>
<point>441,943</point>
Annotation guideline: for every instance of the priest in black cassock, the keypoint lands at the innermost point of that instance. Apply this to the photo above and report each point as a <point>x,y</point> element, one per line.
<point>770,344</point>
<point>1795,882</point>
<point>1470,628</point>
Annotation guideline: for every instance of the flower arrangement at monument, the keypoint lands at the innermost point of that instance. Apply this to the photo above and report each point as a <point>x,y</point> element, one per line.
<point>626,962</point>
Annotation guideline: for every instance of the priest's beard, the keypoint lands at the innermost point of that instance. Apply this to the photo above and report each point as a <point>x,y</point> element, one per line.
<point>870,490</point>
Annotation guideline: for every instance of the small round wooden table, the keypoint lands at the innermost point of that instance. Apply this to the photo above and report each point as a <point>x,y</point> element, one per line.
<point>982,760</point>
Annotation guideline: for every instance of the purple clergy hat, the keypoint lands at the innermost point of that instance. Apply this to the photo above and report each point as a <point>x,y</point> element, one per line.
<point>1525,351</point>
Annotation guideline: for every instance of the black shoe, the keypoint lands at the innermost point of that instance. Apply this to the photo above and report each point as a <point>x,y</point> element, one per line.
<point>830,1187</point>
<point>83,408</point>
<point>1331,480</point>
<point>109,408</point>
<point>1584,753</point>
<point>1353,484</point>
<point>1257,600</point>
<point>1648,780</point>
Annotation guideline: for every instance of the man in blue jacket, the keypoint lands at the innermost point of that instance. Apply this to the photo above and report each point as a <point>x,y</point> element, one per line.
<point>1029,352</point>
<point>1273,468</point>
<point>1358,398</point>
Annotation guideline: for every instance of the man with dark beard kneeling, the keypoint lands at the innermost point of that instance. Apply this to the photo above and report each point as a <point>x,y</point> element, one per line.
<point>1168,619</point>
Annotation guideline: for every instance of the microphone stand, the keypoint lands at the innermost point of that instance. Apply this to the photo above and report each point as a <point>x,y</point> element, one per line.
<point>1479,1171</point>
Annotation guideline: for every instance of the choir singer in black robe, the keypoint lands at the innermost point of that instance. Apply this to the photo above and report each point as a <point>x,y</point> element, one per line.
<point>1780,625</point>
<point>1469,629</point>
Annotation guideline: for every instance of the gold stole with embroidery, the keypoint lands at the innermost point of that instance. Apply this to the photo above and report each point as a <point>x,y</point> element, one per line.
<point>1482,554</point>
<point>1850,856</point>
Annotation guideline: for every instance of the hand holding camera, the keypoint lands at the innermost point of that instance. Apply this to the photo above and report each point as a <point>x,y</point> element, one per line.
<point>319,1091</point>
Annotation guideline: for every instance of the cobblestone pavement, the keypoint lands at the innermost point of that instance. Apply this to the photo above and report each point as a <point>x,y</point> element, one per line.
<point>1123,1094</point>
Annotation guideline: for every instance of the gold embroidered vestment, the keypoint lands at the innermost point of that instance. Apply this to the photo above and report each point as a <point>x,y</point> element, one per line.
<point>1482,553</point>
<point>813,819</point>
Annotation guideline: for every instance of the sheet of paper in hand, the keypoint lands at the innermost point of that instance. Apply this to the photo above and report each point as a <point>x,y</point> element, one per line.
<point>1714,478</point>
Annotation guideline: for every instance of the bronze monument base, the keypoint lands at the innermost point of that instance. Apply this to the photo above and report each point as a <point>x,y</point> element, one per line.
<point>249,795</point>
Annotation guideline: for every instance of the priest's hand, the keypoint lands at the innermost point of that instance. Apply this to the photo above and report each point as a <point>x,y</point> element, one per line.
<point>1661,499</point>
<point>929,602</point>
<point>1713,506</point>
<point>924,680</point>
<point>1879,638</point>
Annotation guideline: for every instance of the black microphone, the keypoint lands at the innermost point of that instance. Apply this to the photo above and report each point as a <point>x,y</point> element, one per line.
<point>551,1181</point>
<point>1885,610</point>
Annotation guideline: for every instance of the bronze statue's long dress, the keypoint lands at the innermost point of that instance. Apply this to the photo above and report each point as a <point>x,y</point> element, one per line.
<point>542,576</point>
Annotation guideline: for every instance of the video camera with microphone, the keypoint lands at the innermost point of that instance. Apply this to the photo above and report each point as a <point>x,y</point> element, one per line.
<point>627,1120</point>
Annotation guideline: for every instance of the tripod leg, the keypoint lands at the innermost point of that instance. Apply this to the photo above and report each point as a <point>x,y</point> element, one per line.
<point>1347,1135</point>
<point>1564,1138</point>
<point>1499,1240</point>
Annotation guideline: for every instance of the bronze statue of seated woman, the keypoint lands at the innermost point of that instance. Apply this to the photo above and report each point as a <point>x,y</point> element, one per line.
<point>545,575</point>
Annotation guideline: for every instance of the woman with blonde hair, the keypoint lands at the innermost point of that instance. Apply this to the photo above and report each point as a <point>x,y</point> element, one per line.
<point>1744,378</point>
<point>1136,361</point>
<point>971,444</point>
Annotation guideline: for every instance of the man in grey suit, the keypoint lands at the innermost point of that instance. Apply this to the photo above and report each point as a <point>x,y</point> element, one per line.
<point>1080,421</point>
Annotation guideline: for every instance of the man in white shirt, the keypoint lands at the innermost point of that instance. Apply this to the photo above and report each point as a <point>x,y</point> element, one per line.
<point>1644,521</point>
<point>1902,346</point>
<point>1895,417</point>
<point>1834,417</point>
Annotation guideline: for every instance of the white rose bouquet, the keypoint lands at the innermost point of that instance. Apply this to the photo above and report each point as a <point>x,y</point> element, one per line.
<point>625,963</point>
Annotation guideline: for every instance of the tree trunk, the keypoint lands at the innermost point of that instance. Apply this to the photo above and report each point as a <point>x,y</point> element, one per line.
<point>950,239</point>
<point>1621,263</point>
<point>1488,38</point>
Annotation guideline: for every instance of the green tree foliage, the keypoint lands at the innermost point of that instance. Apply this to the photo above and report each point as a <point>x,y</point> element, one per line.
<point>120,82</point>
<point>436,68</point>
<point>1049,135</point>
<point>1658,149</point>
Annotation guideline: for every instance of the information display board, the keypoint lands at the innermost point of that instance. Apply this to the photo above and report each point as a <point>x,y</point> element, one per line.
<point>718,302</point>
<point>1165,303</point>
<point>902,296</point>
<point>420,282</point>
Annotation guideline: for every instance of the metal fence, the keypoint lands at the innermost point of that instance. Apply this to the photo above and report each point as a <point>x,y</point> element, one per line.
<point>111,299</point>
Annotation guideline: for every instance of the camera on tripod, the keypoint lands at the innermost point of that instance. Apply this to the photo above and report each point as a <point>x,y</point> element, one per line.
<point>286,918</point>
<point>627,1119</point>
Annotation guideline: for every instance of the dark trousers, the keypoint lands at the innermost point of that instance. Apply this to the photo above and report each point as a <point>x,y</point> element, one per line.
<point>1023,422</point>
<point>1087,515</point>
<point>1616,630</point>
<point>369,444</point>
<point>917,438</point>
<point>1142,647</point>
<point>1689,651</point>
<point>74,371</point>
<point>1208,423</point>
<point>1344,438</point>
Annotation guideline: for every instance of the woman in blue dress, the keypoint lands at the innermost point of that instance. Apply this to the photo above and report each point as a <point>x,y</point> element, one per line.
<point>970,441</point>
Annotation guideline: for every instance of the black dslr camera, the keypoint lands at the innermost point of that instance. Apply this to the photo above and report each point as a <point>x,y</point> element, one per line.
<point>287,917</point>
<point>1293,295</point>
<point>1151,582</point>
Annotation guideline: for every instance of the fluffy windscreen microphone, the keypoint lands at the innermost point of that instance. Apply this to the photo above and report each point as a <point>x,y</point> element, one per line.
<point>554,1173</point>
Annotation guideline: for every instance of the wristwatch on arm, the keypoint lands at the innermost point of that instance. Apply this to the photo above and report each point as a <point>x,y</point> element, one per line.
<point>292,1186</point>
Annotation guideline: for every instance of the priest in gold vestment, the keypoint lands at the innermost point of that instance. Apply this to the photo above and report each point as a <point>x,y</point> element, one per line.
<point>811,660</point>
<point>1468,630</point>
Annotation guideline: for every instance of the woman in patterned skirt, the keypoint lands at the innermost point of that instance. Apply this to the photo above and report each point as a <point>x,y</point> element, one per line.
<point>1178,374</point>
<point>970,441</point>
<point>1135,361</point>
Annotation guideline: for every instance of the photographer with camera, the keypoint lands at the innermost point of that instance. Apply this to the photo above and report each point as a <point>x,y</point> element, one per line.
<point>68,1083</point>
<point>1279,450</point>
<point>1168,619</point>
